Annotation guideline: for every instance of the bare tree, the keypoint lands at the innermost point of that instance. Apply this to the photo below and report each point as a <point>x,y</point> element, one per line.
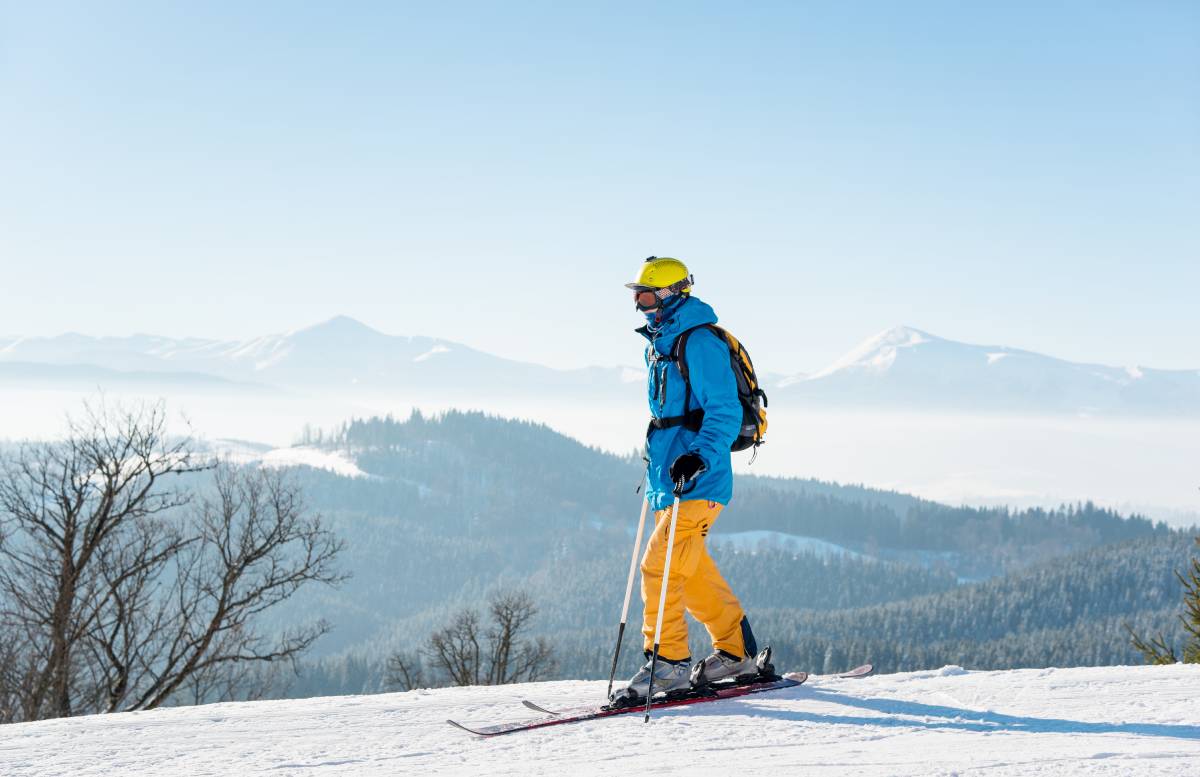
<point>455,649</point>
<point>116,591</point>
<point>241,681</point>
<point>256,546</point>
<point>512,659</point>
<point>133,612</point>
<point>63,506</point>
<point>16,674</point>
<point>404,671</point>
<point>467,656</point>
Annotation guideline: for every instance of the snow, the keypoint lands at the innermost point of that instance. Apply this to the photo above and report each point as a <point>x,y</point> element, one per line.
<point>434,351</point>
<point>876,354</point>
<point>1108,721</point>
<point>753,540</point>
<point>992,358</point>
<point>306,456</point>
<point>264,352</point>
<point>243,452</point>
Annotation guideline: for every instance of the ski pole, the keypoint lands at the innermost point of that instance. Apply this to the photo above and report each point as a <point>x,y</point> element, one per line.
<point>637,546</point>
<point>662,599</point>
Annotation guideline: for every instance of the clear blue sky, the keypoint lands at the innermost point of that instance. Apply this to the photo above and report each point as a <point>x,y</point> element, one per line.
<point>1016,173</point>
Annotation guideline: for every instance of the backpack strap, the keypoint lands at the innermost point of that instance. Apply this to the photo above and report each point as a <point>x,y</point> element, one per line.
<point>691,419</point>
<point>679,348</point>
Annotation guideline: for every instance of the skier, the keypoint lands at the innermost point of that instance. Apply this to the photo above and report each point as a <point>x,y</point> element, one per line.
<point>689,453</point>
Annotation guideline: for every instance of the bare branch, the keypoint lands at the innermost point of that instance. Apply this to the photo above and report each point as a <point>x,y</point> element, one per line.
<point>404,671</point>
<point>455,651</point>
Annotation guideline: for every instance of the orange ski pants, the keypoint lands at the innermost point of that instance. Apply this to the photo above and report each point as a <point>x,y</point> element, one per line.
<point>695,585</point>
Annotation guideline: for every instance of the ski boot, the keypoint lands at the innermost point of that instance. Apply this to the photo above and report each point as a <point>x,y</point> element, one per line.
<point>727,669</point>
<point>670,678</point>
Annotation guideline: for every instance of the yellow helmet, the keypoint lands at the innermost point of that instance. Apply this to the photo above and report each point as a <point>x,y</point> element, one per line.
<point>662,272</point>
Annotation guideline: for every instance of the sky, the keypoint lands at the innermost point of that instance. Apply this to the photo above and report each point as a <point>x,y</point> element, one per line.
<point>1019,173</point>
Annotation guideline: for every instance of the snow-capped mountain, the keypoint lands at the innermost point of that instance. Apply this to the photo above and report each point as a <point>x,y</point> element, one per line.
<point>338,353</point>
<point>907,368</point>
<point>902,368</point>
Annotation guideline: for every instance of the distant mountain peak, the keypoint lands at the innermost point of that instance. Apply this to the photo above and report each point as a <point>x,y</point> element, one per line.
<point>904,335</point>
<point>904,367</point>
<point>338,326</point>
<point>878,353</point>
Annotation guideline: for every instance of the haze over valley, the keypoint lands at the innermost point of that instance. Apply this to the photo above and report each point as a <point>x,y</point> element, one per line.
<point>905,410</point>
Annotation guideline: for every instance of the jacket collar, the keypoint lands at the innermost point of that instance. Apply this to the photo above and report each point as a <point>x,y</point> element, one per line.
<point>688,313</point>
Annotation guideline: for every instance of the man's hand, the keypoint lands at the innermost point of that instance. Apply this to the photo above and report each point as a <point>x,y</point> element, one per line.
<point>685,468</point>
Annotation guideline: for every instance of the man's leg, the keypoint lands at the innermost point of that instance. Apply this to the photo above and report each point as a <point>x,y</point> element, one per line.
<point>689,544</point>
<point>710,600</point>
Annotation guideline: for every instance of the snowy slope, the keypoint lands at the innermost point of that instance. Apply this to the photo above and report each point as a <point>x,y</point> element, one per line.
<point>243,452</point>
<point>1124,721</point>
<point>750,541</point>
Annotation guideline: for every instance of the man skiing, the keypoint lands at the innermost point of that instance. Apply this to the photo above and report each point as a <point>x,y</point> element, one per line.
<point>694,423</point>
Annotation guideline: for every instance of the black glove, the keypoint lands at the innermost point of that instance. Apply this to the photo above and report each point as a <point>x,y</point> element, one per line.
<point>685,468</point>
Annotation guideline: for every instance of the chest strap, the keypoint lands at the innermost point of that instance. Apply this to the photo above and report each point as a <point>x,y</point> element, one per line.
<point>693,419</point>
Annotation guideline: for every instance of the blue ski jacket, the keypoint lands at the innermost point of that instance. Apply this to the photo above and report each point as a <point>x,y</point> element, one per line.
<point>714,390</point>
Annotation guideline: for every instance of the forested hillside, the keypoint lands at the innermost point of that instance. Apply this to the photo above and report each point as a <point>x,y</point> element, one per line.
<point>462,473</point>
<point>457,506</point>
<point>1065,612</point>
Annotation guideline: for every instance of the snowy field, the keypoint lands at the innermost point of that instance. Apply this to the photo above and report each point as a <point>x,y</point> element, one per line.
<point>1122,721</point>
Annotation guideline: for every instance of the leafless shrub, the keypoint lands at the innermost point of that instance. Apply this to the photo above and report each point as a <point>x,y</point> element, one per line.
<point>404,671</point>
<point>465,654</point>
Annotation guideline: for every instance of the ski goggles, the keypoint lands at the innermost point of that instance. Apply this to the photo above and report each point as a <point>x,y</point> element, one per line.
<point>648,298</point>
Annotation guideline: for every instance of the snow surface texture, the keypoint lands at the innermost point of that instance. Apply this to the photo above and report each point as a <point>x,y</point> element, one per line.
<point>1105,721</point>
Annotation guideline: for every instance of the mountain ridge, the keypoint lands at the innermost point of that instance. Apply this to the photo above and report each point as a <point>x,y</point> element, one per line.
<point>900,368</point>
<point>905,367</point>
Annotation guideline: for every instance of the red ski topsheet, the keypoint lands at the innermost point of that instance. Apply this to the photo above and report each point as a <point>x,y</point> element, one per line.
<point>591,713</point>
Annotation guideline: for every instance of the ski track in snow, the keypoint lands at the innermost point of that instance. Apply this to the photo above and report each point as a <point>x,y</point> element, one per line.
<point>1094,721</point>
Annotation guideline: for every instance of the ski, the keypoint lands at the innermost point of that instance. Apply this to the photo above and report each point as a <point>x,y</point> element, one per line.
<point>579,714</point>
<point>538,708</point>
<point>855,673</point>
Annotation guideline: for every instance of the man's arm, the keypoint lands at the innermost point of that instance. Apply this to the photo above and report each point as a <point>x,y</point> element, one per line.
<point>714,389</point>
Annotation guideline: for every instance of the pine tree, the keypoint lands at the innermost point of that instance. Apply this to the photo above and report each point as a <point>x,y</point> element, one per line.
<point>1191,603</point>
<point>1157,651</point>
